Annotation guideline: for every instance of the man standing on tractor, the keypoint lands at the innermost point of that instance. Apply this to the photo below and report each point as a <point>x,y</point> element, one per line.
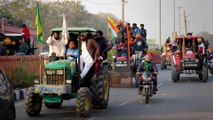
<point>90,52</point>
<point>26,33</point>
<point>148,65</point>
<point>104,46</point>
<point>136,29</point>
<point>201,51</point>
<point>56,45</point>
<point>143,32</point>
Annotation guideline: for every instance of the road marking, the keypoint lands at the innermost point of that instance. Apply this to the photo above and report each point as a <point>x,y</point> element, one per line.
<point>93,118</point>
<point>163,93</point>
<point>18,104</point>
<point>169,79</point>
<point>160,84</point>
<point>124,103</point>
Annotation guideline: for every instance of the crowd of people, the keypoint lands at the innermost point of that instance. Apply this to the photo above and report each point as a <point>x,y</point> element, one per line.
<point>94,49</point>
<point>23,42</point>
<point>138,45</point>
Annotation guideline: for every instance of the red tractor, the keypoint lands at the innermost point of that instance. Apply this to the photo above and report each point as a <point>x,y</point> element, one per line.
<point>187,60</point>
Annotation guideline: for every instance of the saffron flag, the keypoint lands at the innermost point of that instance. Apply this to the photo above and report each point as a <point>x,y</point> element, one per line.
<point>38,25</point>
<point>128,35</point>
<point>113,30</point>
<point>65,34</point>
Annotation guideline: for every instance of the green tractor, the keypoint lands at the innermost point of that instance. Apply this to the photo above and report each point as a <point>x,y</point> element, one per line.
<point>60,82</point>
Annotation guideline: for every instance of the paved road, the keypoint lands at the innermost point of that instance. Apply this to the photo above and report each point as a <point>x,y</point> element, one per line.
<point>189,99</point>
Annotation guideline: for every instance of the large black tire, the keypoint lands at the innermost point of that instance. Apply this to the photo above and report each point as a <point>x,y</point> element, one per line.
<point>147,99</point>
<point>53,105</point>
<point>175,75</point>
<point>211,71</point>
<point>83,102</point>
<point>10,115</point>
<point>162,65</point>
<point>33,103</point>
<point>205,74</point>
<point>100,89</point>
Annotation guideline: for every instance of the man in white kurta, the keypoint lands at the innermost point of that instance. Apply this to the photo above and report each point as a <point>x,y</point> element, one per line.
<point>56,45</point>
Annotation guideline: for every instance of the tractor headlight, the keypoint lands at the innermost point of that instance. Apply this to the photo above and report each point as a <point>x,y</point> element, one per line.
<point>49,72</point>
<point>118,62</point>
<point>59,72</point>
<point>125,62</point>
<point>36,81</point>
<point>68,81</point>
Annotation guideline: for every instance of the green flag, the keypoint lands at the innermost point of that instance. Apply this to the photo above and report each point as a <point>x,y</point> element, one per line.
<point>39,26</point>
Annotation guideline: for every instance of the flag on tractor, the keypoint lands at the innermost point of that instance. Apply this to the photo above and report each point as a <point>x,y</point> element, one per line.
<point>38,25</point>
<point>65,34</point>
<point>128,35</point>
<point>113,30</point>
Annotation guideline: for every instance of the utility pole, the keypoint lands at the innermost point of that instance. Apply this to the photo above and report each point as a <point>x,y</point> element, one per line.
<point>179,12</point>
<point>122,3</point>
<point>188,22</point>
<point>159,24</point>
<point>174,15</point>
<point>185,22</point>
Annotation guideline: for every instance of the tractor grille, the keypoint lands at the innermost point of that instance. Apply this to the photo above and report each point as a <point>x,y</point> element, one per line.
<point>55,79</point>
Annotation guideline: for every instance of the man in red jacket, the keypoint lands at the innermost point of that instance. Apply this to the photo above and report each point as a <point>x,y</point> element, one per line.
<point>26,33</point>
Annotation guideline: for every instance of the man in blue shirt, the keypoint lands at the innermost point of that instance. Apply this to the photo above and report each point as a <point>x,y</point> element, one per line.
<point>136,29</point>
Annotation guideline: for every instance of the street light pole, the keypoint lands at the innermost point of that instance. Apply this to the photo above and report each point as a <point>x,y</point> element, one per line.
<point>159,24</point>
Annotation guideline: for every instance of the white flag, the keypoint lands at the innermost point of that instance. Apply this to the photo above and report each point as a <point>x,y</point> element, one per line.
<point>65,34</point>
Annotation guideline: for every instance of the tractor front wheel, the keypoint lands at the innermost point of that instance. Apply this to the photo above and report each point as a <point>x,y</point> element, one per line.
<point>83,102</point>
<point>175,75</point>
<point>33,103</point>
<point>205,74</point>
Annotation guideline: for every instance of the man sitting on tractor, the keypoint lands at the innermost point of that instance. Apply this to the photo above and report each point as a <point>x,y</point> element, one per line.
<point>148,65</point>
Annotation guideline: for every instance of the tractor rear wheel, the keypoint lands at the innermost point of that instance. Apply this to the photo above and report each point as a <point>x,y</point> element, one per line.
<point>33,103</point>
<point>83,102</point>
<point>100,89</point>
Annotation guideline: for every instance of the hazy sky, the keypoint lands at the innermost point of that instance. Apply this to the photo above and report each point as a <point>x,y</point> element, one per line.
<point>199,13</point>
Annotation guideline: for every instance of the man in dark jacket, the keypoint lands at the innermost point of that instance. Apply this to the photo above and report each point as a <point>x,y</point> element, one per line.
<point>147,65</point>
<point>90,52</point>
<point>104,46</point>
<point>23,48</point>
<point>143,32</point>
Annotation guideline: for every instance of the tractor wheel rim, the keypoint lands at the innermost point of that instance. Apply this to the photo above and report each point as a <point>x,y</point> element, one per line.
<point>37,106</point>
<point>106,87</point>
<point>87,103</point>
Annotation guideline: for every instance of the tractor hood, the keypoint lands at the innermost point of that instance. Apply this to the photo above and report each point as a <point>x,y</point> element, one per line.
<point>60,64</point>
<point>189,54</point>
